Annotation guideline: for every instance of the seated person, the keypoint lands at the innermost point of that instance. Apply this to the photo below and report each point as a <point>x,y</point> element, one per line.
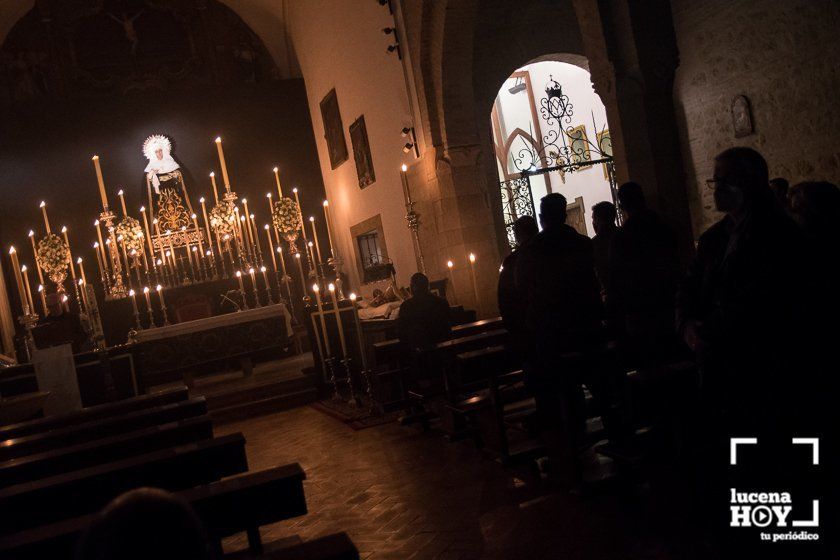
<point>424,318</point>
<point>61,327</point>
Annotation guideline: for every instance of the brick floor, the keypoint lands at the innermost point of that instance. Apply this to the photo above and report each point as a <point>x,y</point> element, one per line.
<point>401,493</point>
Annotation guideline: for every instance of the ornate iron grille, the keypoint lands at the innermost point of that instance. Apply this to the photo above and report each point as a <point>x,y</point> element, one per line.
<point>517,201</point>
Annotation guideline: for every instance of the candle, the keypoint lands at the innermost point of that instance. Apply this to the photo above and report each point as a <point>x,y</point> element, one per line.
<point>265,279</point>
<point>215,191</point>
<point>404,180</point>
<point>338,321</point>
<point>279,250</point>
<point>315,237</point>
<point>246,238</point>
<point>300,212</point>
<point>99,260</point>
<point>222,162</point>
<point>256,237</point>
<point>449,265</point>
<point>30,303</point>
<point>270,206</point>
<point>472,276</point>
<point>122,202</point>
<point>200,245</point>
<point>329,229</point>
<point>317,290</point>
<point>277,178</point>
<point>359,334</point>
<point>206,224</point>
<point>270,246</point>
<point>148,300</point>
<point>159,290</point>
<point>81,269</point>
<point>40,271</point>
<point>18,279</point>
<point>302,277</point>
<point>101,182</point>
<point>253,274</point>
<point>311,252</point>
<point>133,295</point>
<point>241,285</point>
<point>101,245</point>
<point>84,303</point>
<point>69,253</point>
<point>46,219</point>
<point>247,224</point>
<point>148,238</point>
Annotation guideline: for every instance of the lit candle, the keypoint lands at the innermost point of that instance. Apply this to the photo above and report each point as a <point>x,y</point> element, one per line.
<point>256,237</point>
<point>253,274</point>
<point>148,300</point>
<point>317,290</point>
<point>241,285</point>
<point>200,246</point>
<point>121,241</point>
<point>18,278</point>
<point>270,246</point>
<point>329,228</point>
<point>265,279</point>
<point>69,253</point>
<point>315,237</point>
<point>159,290</point>
<point>222,162</point>
<point>449,265</point>
<point>46,219</point>
<point>206,224</point>
<point>248,224</point>
<point>359,334</point>
<point>82,290</point>
<point>98,259</point>
<point>302,277</point>
<point>472,276</point>
<point>404,180</point>
<point>189,254</point>
<point>310,250</point>
<point>133,295</point>
<point>246,236</point>
<point>122,202</point>
<point>101,182</point>
<point>279,250</point>
<point>277,178</point>
<point>148,238</point>
<point>215,191</point>
<point>101,245</point>
<point>30,303</point>
<point>81,269</point>
<point>38,268</point>
<point>270,206</point>
<point>300,213</point>
<point>338,321</point>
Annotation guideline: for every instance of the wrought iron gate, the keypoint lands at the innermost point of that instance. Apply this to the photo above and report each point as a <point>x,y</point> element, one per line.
<point>561,149</point>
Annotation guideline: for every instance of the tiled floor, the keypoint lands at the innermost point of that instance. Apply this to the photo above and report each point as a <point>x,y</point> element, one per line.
<point>401,493</point>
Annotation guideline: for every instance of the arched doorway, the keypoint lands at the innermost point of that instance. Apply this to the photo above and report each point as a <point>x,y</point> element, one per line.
<point>550,134</point>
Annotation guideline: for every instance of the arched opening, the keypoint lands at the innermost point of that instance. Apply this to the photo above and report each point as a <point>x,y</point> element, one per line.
<point>550,134</point>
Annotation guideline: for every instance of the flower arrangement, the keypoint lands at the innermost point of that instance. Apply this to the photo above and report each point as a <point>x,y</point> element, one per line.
<point>285,215</point>
<point>222,218</point>
<point>53,257</point>
<point>132,233</point>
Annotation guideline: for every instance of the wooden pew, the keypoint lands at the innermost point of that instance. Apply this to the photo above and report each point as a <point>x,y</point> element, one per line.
<point>93,413</point>
<point>235,505</point>
<point>84,491</point>
<point>337,546</point>
<point>88,431</point>
<point>105,450</point>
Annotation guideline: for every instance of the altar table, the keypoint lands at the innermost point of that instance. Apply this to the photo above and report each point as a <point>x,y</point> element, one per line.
<point>179,351</point>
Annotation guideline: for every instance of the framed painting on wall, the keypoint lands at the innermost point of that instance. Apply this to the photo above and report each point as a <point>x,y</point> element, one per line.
<point>361,152</point>
<point>578,144</point>
<point>333,129</point>
<point>605,146</point>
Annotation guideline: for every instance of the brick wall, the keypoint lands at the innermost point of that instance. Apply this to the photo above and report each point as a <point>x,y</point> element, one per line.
<point>782,55</point>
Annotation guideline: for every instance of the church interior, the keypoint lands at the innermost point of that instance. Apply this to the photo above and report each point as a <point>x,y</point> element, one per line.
<point>409,279</point>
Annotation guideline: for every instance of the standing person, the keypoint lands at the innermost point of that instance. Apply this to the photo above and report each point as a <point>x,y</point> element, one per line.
<point>603,222</point>
<point>512,305</point>
<point>555,274</point>
<point>644,272</point>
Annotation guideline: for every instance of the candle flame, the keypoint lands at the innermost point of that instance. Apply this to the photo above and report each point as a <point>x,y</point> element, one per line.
<point>142,208</point>
<point>42,204</point>
<point>315,288</point>
<point>95,158</point>
<point>131,293</point>
<point>96,244</point>
<point>472,257</point>
<point>79,260</point>
<point>294,190</point>
<point>331,287</point>
<point>251,270</point>
<point>158,287</point>
<point>241,218</point>
<point>31,233</point>
<point>145,289</point>
<point>238,274</point>
<point>326,203</point>
<point>218,139</point>
<point>194,249</point>
<point>312,219</point>
<point>244,201</point>
<point>252,216</point>
<point>404,168</point>
<point>95,223</point>
<point>352,296</point>
<point>64,298</point>
<point>212,173</point>
<point>262,269</point>
<point>297,255</point>
<point>81,281</point>
<point>449,264</point>
<point>310,244</point>
<point>63,229</point>
<point>193,216</point>
<point>201,200</point>
<point>268,195</point>
<point>275,170</point>
<point>279,249</point>
<point>40,287</point>
<point>265,227</point>
<point>23,268</point>
<point>120,192</point>
<point>12,250</point>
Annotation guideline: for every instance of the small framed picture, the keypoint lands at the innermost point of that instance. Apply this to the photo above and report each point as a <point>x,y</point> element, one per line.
<point>333,129</point>
<point>361,152</point>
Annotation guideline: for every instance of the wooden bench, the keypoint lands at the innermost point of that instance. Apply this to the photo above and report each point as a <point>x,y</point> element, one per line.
<point>105,450</point>
<point>85,491</point>
<point>93,413</point>
<point>331,547</point>
<point>239,504</point>
<point>88,431</point>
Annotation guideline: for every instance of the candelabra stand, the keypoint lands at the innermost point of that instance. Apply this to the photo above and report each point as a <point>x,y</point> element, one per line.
<point>330,363</point>
<point>337,262</point>
<point>152,324</point>
<point>412,219</point>
<point>137,325</point>
<point>353,399</point>
<point>165,316</point>
<point>28,321</point>
<point>256,296</point>
<point>118,288</point>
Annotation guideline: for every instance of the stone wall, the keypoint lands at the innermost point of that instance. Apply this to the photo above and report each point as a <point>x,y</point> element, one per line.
<point>783,56</point>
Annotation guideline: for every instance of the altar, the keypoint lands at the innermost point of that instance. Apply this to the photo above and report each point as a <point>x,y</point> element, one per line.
<point>182,350</point>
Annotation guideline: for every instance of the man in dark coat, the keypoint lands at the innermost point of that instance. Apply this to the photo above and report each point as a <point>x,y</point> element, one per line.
<point>512,306</point>
<point>556,276</point>
<point>424,317</point>
<point>603,222</point>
